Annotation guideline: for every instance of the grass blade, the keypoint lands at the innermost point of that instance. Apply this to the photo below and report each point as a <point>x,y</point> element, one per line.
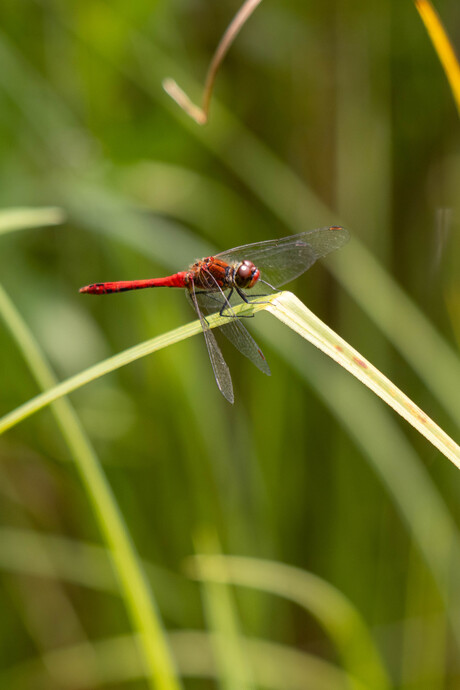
<point>442,46</point>
<point>409,484</point>
<point>221,616</point>
<point>333,611</point>
<point>286,307</point>
<point>22,218</point>
<point>57,391</point>
<point>277,667</point>
<point>137,594</point>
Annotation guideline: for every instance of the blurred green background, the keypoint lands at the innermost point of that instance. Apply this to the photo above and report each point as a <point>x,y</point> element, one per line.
<point>324,113</point>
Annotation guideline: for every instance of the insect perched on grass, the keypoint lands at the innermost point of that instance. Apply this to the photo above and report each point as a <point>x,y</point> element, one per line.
<point>212,282</point>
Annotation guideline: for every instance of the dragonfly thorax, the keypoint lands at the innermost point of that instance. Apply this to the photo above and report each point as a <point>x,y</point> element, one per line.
<point>213,274</point>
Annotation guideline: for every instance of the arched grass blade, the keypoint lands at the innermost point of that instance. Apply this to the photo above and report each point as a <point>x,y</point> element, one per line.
<point>286,307</point>
<point>406,479</point>
<point>333,611</point>
<point>276,667</point>
<point>117,361</point>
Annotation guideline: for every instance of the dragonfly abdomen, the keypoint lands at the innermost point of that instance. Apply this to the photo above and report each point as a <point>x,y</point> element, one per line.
<point>175,280</point>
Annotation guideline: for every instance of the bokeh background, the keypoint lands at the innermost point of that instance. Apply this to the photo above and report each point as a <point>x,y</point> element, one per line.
<point>324,113</point>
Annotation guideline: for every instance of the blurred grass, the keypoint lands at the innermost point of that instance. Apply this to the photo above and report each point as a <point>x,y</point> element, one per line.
<point>221,619</point>
<point>138,598</point>
<point>21,218</point>
<point>327,605</point>
<point>340,107</point>
<point>275,666</point>
<point>442,46</point>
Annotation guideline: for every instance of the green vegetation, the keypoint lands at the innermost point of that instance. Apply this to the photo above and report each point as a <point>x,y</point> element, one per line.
<point>305,537</point>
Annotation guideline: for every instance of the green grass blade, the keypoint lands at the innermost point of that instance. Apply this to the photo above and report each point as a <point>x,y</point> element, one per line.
<point>55,392</point>
<point>333,611</point>
<point>388,451</point>
<point>221,616</point>
<point>286,307</point>
<point>22,218</point>
<point>90,565</point>
<point>434,360</point>
<point>138,597</point>
<point>297,316</point>
<point>277,667</point>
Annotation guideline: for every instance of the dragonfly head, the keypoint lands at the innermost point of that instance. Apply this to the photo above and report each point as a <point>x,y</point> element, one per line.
<point>246,274</point>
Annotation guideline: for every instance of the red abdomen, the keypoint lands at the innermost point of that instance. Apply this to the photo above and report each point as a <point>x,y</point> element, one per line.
<point>176,280</point>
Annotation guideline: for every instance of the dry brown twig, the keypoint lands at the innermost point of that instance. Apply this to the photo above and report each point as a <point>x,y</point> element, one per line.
<point>200,115</point>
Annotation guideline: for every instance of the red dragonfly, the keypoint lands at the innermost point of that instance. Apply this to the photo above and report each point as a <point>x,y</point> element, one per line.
<point>211,283</point>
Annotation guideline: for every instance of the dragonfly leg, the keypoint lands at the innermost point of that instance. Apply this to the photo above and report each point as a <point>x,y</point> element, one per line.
<point>269,285</point>
<point>244,297</point>
<point>227,310</point>
<point>210,296</point>
<point>226,305</point>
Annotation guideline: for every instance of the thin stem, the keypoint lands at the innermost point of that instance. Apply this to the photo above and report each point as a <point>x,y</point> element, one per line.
<point>200,115</point>
<point>442,46</point>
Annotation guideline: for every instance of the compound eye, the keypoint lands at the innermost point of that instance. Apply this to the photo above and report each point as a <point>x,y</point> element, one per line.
<point>244,271</point>
<point>245,274</point>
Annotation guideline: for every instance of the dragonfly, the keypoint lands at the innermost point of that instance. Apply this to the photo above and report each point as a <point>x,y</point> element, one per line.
<point>216,283</point>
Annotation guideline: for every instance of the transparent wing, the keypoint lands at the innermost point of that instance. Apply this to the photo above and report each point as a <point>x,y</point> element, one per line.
<point>280,261</point>
<point>219,366</point>
<point>234,330</point>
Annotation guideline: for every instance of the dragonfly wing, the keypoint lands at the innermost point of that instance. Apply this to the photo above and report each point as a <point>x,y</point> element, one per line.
<point>219,365</point>
<point>280,261</point>
<point>234,330</point>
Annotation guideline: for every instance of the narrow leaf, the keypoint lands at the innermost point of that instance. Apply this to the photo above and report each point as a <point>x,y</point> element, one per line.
<point>442,46</point>
<point>22,218</point>
<point>286,307</point>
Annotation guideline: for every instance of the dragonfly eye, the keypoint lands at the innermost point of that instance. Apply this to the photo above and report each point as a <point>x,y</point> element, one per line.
<point>246,274</point>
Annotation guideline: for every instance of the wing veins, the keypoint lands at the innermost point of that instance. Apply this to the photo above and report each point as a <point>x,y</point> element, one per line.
<point>219,365</point>
<point>293,256</point>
